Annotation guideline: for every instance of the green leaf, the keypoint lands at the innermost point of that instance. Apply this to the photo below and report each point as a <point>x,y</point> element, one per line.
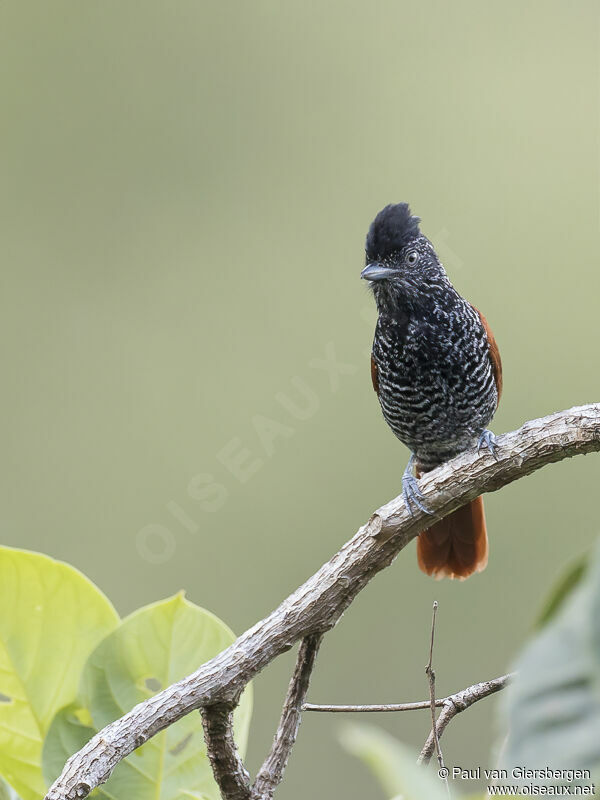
<point>392,763</point>
<point>67,734</point>
<point>478,796</point>
<point>486,796</point>
<point>562,589</point>
<point>52,619</point>
<point>553,705</point>
<point>151,649</point>
<point>7,792</point>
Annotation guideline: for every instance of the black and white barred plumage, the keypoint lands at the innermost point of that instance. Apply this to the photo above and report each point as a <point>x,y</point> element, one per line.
<point>434,375</point>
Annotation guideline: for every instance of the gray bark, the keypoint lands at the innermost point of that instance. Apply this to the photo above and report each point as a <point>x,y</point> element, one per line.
<point>317,605</point>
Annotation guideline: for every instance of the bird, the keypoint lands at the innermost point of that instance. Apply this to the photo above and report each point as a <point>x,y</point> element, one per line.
<point>437,372</point>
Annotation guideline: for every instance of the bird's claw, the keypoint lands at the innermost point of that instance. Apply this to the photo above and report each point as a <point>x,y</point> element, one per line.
<point>411,492</point>
<point>487,439</point>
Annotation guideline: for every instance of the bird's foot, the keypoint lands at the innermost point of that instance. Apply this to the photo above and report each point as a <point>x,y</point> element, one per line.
<point>410,489</point>
<point>487,439</point>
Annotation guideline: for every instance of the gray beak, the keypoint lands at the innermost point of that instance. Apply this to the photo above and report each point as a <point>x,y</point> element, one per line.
<point>377,272</point>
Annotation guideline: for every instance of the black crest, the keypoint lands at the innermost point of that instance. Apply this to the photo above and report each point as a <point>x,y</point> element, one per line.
<point>391,229</point>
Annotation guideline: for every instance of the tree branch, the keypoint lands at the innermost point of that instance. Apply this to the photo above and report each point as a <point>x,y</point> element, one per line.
<point>228,768</point>
<point>318,604</point>
<point>456,703</point>
<point>271,772</point>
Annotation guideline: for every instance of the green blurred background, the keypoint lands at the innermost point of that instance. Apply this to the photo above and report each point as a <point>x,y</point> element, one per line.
<point>186,188</point>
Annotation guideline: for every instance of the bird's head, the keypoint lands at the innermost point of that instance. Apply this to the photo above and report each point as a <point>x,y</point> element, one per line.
<point>401,262</point>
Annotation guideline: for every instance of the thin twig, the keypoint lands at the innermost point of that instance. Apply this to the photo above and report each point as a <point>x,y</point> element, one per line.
<point>271,772</point>
<point>458,702</point>
<point>319,603</point>
<point>372,709</point>
<point>420,705</point>
<point>430,672</point>
<point>228,768</point>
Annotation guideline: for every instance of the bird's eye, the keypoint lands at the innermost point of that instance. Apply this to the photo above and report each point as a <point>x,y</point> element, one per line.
<point>412,258</point>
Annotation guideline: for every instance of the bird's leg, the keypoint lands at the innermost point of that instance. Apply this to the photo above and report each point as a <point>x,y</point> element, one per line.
<point>410,491</point>
<point>487,439</point>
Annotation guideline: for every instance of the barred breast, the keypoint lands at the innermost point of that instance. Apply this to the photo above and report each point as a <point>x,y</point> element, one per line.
<point>436,383</point>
